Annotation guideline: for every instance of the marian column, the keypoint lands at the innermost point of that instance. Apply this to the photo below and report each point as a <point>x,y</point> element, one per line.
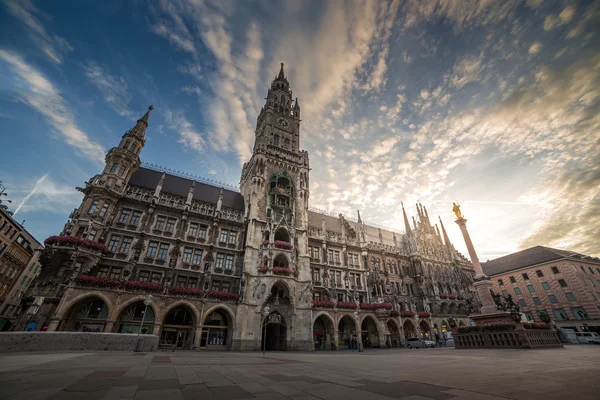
<point>482,284</point>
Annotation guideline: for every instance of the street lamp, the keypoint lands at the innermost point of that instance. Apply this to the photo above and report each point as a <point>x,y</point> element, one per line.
<point>359,335</point>
<point>266,312</point>
<point>147,302</point>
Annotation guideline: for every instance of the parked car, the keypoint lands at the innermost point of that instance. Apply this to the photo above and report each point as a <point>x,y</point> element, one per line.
<point>418,343</point>
<point>588,337</point>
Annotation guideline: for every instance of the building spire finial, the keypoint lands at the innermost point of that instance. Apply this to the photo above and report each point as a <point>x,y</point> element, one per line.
<point>406,223</point>
<point>281,74</point>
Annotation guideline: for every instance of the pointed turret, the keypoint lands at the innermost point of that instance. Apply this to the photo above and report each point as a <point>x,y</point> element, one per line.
<point>359,220</point>
<point>139,129</point>
<point>406,223</point>
<point>281,73</point>
<point>446,239</point>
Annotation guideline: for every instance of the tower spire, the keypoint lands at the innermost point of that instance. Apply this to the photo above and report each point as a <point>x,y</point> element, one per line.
<point>140,127</point>
<point>406,223</point>
<point>446,239</point>
<point>281,74</point>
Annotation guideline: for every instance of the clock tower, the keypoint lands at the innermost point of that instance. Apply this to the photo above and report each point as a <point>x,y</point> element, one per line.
<point>276,278</point>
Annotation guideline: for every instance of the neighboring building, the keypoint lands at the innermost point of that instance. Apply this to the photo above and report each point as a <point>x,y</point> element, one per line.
<point>563,283</point>
<point>19,252</point>
<point>216,258</point>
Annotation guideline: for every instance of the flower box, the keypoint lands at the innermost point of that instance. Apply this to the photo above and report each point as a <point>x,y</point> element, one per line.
<point>394,313</point>
<point>536,325</point>
<point>408,314</point>
<point>323,304</point>
<point>281,271</point>
<point>376,306</point>
<point>452,296</point>
<point>223,296</point>
<point>183,291</point>
<point>443,295</point>
<point>75,241</point>
<point>263,269</point>
<point>142,286</point>
<point>347,305</point>
<point>265,243</point>
<point>423,314</point>
<point>280,244</point>
<point>97,281</point>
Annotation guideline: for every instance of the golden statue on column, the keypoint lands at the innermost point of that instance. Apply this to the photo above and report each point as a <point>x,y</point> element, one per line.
<point>456,210</point>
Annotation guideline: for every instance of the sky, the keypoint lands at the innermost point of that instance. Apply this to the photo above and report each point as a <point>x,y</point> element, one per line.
<point>492,104</point>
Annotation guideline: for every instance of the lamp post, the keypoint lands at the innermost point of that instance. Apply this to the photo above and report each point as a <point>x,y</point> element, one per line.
<point>147,302</point>
<point>359,332</point>
<point>266,312</point>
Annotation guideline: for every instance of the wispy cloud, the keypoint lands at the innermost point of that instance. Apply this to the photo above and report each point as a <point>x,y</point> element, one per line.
<point>189,137</point>
<point>113,88</point>
<point>52,46</point>
<point>40,94</point>
<point>31,193</point>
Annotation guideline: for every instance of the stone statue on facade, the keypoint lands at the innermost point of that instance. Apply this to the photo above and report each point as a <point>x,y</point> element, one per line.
<point>499,301</point>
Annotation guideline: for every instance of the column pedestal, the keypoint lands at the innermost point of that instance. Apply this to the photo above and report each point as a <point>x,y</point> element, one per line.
<point>483,288</point>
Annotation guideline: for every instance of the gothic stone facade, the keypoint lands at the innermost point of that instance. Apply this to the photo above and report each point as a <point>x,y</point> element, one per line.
<point>220,263</point>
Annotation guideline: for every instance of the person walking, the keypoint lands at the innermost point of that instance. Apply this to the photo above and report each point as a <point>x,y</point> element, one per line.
<point>437,339</point>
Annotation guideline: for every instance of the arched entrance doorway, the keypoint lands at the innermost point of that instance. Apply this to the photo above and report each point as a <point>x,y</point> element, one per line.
<point>274,333</point>
<point>409,329</point>
<point>89,315</point>
<point>424,326</point>
<point>323,333</point>
<point>370,335</point>
<point>216,331</point>
<point>177,327</point>
<point>346,331</point>
<point>130,319</point>
<point>394,332</point>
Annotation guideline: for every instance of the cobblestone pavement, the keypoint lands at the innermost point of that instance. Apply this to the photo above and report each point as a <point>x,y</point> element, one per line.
<point>418,374</point>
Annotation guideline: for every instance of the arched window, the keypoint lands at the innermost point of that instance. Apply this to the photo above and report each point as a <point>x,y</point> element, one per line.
<point>276,140</point>
<point>283,235</point>
<point>127,142</point>
<point>280,261</point>
<point>282,99</point>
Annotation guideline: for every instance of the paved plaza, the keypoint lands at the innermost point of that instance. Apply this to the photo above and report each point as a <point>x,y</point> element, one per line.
<point>418,374</point>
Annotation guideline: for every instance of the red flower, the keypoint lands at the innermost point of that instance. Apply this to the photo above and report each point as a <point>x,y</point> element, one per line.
<point>281,271</point>
<point>75,241</point>
<point>280,244</point>
<point>407,314</point>
<point>376,306</point>
<point>263,269</point>
<point>183,291</point>
<point>323,304</point>
<point>452,296</point>
<point>145,286</point>
<point>443,295</point>
<point>536,325</point>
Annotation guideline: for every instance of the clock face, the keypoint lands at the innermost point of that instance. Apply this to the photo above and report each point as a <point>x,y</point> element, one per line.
<point>283,122</point>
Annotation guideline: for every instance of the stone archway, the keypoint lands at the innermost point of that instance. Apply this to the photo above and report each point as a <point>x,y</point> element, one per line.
<point>274,332</point>
<point>392,326</point>
<point>370,333</point>
<point>178,327</point>
<point>87,315</point>
<point>217,330</point>
<point>425,329</point>
<point>346,331</point>
<point>410,330</point>
<point>130,319</point>
<point>323,332</point>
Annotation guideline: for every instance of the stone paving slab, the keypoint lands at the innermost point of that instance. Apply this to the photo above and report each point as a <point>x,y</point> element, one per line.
<point>431,374</point>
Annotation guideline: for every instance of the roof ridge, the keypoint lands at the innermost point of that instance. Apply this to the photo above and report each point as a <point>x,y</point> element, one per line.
<point>353,219</point>
<point>185,175</point>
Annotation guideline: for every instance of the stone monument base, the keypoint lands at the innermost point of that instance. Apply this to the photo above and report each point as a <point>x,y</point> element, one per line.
<point>515,337</point>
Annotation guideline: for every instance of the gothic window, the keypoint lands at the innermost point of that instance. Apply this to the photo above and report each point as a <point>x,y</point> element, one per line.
<point>126,244</point>
<point>125,213</point>
<point>103,210</point>
<point>135,218</point>
<point>282,99</point>
<point>156,277</point>
<point>127,142</point>
<point>114,168</point>
<point>219,262</point>
<point>223,236</point>
<point>187,255</point>
<point>170,225</point>
<point>316,275</point>
<point>162,251</point>
<point>282,235</point>
<point>114,243</point>
<point>91,210</point>
<point>197,257</point>
<point>160,222</point>
<point>115,273</point>
<point>202,232</point>
<point>280,262</point>
<point>121,170</point>
<point>193,229</point>
<point>144,276</point>
<point>232,237</point>
<point>276,140</point>
<point>229,263</point>
<point>286,143</point>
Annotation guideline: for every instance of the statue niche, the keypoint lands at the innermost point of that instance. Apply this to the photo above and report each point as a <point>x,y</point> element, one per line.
<point>281,191</point>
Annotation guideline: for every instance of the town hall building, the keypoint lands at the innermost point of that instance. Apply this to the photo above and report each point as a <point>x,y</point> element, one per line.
<point>245,269</point>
